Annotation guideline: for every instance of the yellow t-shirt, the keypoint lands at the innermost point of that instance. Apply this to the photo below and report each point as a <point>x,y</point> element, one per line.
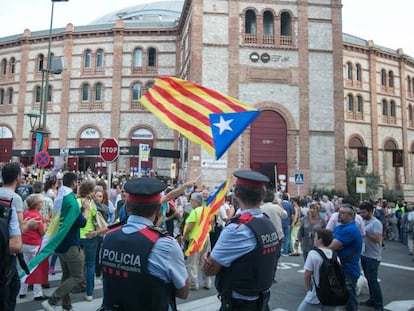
<point>89,223</point>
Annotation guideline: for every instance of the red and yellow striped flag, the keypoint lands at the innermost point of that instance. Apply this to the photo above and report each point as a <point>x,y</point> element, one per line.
<point>204,116</point>
<point>213,204</point>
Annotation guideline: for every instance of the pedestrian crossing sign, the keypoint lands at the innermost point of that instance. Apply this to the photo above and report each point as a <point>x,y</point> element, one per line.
<point>299,179</point>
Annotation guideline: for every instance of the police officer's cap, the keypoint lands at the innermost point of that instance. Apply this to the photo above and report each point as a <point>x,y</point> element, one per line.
<point>251,178</point>
<point>144,189</point>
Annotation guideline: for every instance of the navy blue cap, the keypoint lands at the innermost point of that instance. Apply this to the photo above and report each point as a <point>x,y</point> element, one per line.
<point>144,189</point>
<point>251,178</point>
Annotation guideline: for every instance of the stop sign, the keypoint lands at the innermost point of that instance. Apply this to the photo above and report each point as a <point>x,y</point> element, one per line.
<point>109,150</point>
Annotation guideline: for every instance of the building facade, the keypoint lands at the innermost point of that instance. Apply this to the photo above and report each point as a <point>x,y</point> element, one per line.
<point>319,91</point>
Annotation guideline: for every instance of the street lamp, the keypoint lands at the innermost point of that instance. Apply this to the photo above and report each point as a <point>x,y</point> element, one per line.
<point>35,117</point>
<point>45,93</point>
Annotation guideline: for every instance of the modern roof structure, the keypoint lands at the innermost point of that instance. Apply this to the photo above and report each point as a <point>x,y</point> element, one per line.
<point>168,11</point>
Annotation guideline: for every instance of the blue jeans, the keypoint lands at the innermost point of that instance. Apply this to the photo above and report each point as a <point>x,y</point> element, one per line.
<point>370,267</point>
<point>286,241</point>
<point>89,247</point>
<point>350,282</point>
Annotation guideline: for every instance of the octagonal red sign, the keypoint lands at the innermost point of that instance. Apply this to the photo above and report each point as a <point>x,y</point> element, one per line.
<point>109,150</point>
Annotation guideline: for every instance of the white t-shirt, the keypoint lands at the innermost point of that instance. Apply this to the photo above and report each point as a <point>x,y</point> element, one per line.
<point>313,263</point>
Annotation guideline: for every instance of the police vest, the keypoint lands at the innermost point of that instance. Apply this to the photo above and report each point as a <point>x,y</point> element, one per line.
<point>127,283</point>
<point>252,273</point>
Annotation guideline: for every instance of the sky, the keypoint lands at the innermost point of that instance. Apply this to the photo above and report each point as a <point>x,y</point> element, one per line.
<point>387,23</point>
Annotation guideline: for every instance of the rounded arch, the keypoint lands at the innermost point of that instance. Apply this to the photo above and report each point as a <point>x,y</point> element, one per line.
<point>250,9</point>
<point>390,144</point>
<point>282,110</point>
<point>146,127</point>
<point>6,131</point>
<point>89,131</point>
<point>356,141</point>
<point>270,10</point>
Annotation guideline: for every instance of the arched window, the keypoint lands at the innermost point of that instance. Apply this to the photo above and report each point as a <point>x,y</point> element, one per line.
<point>392,108</point>
<point>391,78</point>
<point>360,103</point>
<point>87,59</point>
<point>250,22</point>
<point>152,56</point>
<point>358,72</point>
<point>98,92</point>
<point>350,102</point>
<point>384,107</point>
<point>99,58</point>
<point>349,71</point>
<point>10,96</point>
<point>409,84</point>
<point>38,95</point>
<point>136,91</point>
<point>268,23</point>
<point>85,92</point>
<point>285,24</point>
<point>12,66</point>
<point>410,114</point>
<point>383,77</point>
<point>3,66</point>
<point>40,62</point>
<point>1,97</point>
<point>138,57</point>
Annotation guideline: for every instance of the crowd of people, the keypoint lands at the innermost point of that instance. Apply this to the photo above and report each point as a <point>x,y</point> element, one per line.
<point>137,207</point>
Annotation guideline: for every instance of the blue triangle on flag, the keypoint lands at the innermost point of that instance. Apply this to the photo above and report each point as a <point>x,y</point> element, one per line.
<point>226,127</point>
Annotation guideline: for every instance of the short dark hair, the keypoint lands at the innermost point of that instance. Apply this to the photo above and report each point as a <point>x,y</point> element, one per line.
<point>10,172</point>
<point>366,206</point>
<point>249,195</point>
<point>325,235</point>
<point>142,209</point>
<point>269,196</point>
<point>69,178</point>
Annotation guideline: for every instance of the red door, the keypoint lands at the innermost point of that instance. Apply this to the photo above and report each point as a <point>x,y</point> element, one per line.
<point>268,144</point>
<point>6,145</point>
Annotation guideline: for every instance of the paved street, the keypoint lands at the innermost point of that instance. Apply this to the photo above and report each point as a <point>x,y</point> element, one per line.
<point>396,274</point>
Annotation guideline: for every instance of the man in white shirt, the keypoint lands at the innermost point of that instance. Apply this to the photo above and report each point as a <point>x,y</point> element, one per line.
<point>276,213</point>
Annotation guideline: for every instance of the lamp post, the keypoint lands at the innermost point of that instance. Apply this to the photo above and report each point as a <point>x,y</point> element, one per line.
<point>42,144</point>
<point>45,93</point>
<point>34,116</point>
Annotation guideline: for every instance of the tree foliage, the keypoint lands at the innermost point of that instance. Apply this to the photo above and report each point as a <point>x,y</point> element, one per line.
<point>372,181</point>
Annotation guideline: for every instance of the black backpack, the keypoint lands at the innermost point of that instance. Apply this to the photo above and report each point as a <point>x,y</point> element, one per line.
<point>5,263</point>
<point>332,290</point>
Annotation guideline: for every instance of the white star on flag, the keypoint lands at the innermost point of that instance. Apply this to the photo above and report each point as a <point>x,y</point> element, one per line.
<point>224,125</point>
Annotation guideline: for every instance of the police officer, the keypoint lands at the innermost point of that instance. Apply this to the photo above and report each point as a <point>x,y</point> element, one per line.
<point>143,268</point>
<point>244,256</point>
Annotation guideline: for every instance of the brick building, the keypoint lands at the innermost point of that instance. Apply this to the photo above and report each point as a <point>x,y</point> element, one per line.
<point>290,59</point>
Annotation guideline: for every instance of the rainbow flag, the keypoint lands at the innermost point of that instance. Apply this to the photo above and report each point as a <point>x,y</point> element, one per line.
<point>204,116</point>
<point>213,204</point>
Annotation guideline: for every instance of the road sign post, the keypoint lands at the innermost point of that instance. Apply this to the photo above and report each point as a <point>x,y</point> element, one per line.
<point>299,179</point>
<point>109,151</point>
<point>143,156</point>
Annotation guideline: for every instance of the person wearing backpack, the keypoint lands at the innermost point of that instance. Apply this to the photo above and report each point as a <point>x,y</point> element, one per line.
<point>12,229</point>
<point>348,244</point>
<point>314,275</point>
<point>371,255</point>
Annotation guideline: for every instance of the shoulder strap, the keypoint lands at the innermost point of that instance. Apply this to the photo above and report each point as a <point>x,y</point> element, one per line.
<point>321,253</point>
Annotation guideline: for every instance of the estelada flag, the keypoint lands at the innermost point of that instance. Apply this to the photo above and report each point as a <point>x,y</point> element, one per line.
<point>213,204</point>
<point>204,116</point>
